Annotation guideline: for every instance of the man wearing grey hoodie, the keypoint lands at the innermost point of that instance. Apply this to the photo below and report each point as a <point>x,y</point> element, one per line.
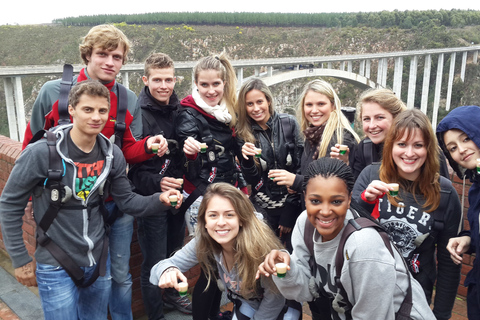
<point>89,160</point>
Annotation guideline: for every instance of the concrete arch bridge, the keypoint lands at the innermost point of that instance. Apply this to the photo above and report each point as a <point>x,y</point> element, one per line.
<point>363,70</point>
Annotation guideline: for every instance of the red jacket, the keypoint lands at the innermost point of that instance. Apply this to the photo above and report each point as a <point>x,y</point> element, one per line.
<point>133,150</point>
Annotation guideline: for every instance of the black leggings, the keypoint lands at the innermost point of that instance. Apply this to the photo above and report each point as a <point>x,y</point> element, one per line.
<point>205,304</point>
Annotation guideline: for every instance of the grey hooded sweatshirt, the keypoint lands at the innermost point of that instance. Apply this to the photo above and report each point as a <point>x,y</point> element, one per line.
<point>76,230</point>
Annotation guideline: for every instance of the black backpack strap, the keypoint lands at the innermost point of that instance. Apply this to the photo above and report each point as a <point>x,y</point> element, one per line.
<point>53,183</point>
<point>356,224</point>
<point>438,219</point>
<point>199,190</point>
<point>368,151</point>
<point>60,194</point>
<point>438,215</point>
<point>122,106</point>
<point>287,130</point>
<point>65,85</point>
<point>308,239</point>
<point>148,116</point>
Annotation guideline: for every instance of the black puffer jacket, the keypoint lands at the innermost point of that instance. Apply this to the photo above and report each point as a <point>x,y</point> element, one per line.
<point>188,124</point>
<point>157,119</point>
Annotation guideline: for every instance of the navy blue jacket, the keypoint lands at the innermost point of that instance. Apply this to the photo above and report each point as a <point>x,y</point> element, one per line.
<point>461,118</point>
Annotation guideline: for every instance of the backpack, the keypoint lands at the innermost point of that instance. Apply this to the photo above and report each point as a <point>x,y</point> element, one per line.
<point>64,117</point>
<point>59,195</point>
<point>355,224</point>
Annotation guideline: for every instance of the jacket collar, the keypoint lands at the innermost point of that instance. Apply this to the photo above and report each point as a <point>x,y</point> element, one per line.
<point>147,101</point>
<point>257,127</point>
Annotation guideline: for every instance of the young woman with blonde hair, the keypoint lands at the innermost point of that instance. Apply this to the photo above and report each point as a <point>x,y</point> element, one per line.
<point>230,242</point>
<point>377,108</point>
<point>425,213</point>
<point>207,116</point>
<point>324,126</point>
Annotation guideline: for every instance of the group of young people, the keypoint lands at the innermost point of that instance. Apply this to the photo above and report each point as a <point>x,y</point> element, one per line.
<point>204,149</point>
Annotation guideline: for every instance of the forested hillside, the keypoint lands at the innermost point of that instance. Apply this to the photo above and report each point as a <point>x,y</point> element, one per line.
<point>58,43</point>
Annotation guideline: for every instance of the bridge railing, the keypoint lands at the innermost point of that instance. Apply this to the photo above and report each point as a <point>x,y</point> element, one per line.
<point>357,69</point>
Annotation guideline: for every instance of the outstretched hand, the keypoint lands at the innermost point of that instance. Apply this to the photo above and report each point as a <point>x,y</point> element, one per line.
<point>248,149</point>
<point>282,177</point>
<point>376,189</point>
<point>168,183</point>
<point>170,277</point>
<point>267,267</point>
<point>162,144</point>
<point>164,197</point>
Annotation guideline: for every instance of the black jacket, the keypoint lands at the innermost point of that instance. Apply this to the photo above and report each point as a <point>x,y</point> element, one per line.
<point>275,150</point>
<point>157,119</point>
<point>198,170</point>
<point>309,151</point>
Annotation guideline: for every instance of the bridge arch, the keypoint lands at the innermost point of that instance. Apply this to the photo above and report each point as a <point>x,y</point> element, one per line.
<point>350,77</point>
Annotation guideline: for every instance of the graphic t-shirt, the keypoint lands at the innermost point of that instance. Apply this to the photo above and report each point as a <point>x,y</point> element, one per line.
<point>406,222</point>
<point>89,167</point>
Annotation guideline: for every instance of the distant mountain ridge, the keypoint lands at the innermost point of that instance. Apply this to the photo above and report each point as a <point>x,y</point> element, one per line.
<point>57,44</point>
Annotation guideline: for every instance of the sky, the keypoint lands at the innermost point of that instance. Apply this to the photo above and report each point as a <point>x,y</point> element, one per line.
<point>44,11</point>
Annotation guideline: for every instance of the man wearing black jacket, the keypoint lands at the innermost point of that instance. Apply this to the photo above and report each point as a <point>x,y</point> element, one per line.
<point>161,235</point>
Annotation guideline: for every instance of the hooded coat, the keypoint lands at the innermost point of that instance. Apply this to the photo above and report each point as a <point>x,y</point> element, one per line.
<point>459,118</point>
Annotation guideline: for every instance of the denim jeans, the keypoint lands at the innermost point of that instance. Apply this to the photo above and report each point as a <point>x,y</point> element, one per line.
<point>62,299</point>
<point>191,214</point>
<point>120,303</point>
<point>159,236</point>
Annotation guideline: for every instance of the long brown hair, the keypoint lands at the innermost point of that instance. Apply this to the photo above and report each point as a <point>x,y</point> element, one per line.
<point>244,124</point>
<point>427,183</point>
<point>254,241</point>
